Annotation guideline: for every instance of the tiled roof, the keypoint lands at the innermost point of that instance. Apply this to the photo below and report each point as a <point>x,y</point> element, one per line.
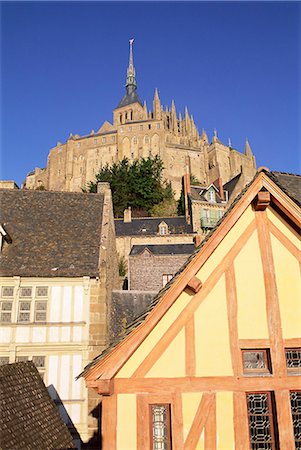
<point>148,226</point>
<point>291,184</point>
<point>139,319</point>
<point>29,419</point>
<point>54,234</point>
<point>168,249</point>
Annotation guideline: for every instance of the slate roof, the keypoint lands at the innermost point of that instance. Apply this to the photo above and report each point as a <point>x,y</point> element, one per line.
<point>176,225</point>
<point>54,234</point>
<point>168,249</point>
<point>196,195</point>
<point>274,176</point>
<point>290,183</point>
<point>129,98</point>
<point>230,185</point>
<point>29,419</point>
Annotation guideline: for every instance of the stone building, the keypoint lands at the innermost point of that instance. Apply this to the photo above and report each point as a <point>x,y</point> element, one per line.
<point>151,267</point>
<point>138,132</point>
<point>58,269</point>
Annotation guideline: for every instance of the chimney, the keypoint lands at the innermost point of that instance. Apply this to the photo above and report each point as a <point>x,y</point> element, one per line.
<point>103,187</point>
<point>219,185</point>
<point>197,240</point>
<point>127,215</point>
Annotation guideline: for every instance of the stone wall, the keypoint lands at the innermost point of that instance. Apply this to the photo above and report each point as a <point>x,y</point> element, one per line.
<point>146,270</point>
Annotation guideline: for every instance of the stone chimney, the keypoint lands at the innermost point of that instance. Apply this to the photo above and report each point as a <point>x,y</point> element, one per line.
<point>219,184</point>
<point>127,215</point>
<point>197,240</point>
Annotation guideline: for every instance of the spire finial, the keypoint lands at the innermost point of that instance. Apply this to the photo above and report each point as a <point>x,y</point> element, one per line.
<point>131,74</point>
<point>248,151</point>
<point>229,143</point>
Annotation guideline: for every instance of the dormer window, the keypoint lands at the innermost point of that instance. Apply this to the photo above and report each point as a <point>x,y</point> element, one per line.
<point>211,196</point>
<point>163,229</point>
<point>4,237</point>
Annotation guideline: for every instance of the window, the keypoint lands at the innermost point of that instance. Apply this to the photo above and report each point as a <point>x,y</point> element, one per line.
<point>135,140</point>
<point>163,229</point>
<point>261,414</point>
<point>256,361</point>
<point>293,360</point>
<point>7,291</point>
<point>149,126</point>
<point>24,312</point>
<point>26,292</point>
<point>4,360</point>
<point>211,196</point>
<point>22,358</point>
<point>40,311</point>
<point>6,311</point>
<point>296,415</point>
<point>103,139</point>
<point>39,362</point>
<point>141,127</point>
<point>42,291</point>
<point>121,129</point>
<point>160,427</point>
<point>158,126</point>
<point>166,278</point>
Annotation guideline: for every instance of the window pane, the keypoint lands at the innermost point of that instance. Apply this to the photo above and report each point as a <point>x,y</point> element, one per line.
<point>256,361</point>
<point>41,291</point>
<point>296,414</point>
<point>4,360</point>
<point>26,292</point>
<point>7,291</point>
<point>39,361</point>
<point>260,421</point>
<point>22,358</point>
<point>160,415</point>
<point>293,358</point>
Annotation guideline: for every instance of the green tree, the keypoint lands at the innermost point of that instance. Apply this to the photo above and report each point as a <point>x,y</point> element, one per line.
<point>138,185</point>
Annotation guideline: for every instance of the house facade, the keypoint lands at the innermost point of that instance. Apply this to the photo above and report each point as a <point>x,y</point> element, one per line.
<point>214,362</point>
<point>57,274</point>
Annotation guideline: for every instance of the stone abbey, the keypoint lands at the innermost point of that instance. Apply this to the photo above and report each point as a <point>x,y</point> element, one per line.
<point>135,133</point>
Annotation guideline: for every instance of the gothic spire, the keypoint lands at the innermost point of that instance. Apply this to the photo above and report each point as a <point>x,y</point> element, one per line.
<point>131,73</point>
<point>248,151</point>
<point>131,95</point>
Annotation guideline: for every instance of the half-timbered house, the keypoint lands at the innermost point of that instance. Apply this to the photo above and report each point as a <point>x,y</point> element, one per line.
<point>214,362</point>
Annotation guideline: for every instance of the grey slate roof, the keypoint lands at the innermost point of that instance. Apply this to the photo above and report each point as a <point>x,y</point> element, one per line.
<point>291,184</point>
<point>129,98</point>
<point>176,225</point>
<point>164,249</point>
<point>230,185</point>
<point>54,234</point>
<point>139,319</point>
<point>29,419</point>
<point>196,195</point>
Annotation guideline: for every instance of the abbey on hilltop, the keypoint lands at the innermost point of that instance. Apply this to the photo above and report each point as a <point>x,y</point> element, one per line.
<point>135,133</point>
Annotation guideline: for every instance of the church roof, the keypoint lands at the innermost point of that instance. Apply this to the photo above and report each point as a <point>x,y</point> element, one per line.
<point>129,98</point>
<point>29,419</point>
<point>54,234</point>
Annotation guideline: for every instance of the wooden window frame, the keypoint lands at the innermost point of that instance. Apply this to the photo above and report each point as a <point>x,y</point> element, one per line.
<point>267,358</point>
<point>168,424</point>
<point>272,418</point>
<point>292,370</point>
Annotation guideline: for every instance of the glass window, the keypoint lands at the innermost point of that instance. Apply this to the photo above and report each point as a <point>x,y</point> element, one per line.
<point>6,311</point>
<point>261,414</point>
<point>293,359</point>
<point>42,291</point>
<point>4,360</point>
<point>256,361</point>
<point>160,427</point>
<point>24,312</point>
<point>26,292</point>
<point>7,291</point>
<point>166,278</point>
<point>158,126</point>
<point>40,311</point>
<point>296,415</point>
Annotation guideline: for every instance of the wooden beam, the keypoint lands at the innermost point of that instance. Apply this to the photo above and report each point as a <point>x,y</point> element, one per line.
<point>109,422</point>
<point>241,421</point>
<point>199,421</point>
<point>262,201</point>
<point>190,347</point>
<point>194,284</point>
<point>285,421</point>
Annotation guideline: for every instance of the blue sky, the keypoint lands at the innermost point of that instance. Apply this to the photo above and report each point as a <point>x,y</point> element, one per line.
<point>236,65</point>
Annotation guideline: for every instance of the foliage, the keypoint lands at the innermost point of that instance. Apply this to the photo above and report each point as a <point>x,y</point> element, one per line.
<point>166,208</point>
<point>138,185</point>
<point>122,266</point>
<point>181,202</point>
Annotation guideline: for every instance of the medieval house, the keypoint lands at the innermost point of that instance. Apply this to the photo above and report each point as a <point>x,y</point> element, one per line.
<point>137,132</point>
<point>58,268</point>
<point>214,362</point>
